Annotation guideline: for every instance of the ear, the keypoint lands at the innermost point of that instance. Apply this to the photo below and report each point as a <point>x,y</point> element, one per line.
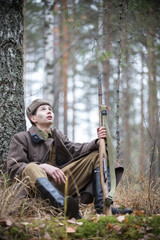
<point>33,118</point>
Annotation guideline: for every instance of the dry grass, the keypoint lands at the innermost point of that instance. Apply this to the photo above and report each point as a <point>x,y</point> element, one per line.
<point>15,201</point>
<point>141,194</point>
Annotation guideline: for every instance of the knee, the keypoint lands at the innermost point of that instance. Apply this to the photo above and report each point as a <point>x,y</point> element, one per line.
<point>31,167</point>
<point>32,172</point>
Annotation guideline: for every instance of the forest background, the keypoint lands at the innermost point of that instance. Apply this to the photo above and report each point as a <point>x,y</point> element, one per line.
<point>64,46</point>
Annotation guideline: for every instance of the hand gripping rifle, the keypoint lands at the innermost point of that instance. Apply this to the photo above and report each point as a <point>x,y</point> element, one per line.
<point>105,156</point>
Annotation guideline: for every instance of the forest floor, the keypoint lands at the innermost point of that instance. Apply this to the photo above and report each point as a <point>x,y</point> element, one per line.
<point>134,226</point>
<point>34,219</point>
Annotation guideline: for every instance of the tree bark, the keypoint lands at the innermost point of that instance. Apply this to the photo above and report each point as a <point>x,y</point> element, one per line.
<point>142,165</point>
<point>125,128</point>
<point>48,50</point>
<point>73,76</point>
<point>65,60</point>
<point>12,118</point>
<point>107,47</point>
<point>57,77</point>
<point>152,102</point>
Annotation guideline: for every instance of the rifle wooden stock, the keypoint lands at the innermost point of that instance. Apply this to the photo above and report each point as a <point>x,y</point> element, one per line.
<point>102,154</point>
<point>104,181</point>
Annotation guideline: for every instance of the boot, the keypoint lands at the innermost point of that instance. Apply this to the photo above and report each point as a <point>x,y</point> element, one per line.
<point>49,191</point>
<point>121,211</point>
<point>98,194</point>
<point>97,191</point>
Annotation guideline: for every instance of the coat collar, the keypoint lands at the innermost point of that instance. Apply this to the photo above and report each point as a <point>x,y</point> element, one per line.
<point>35,135</point>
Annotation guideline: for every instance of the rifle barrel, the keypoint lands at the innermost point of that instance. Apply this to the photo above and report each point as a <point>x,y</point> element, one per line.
<point>100,99</point>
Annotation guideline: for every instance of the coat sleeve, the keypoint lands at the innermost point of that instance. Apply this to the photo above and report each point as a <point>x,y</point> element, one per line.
<point>17,156</point>
<point>77,149</point>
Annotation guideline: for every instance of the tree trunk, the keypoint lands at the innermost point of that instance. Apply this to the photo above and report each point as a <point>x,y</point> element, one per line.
<point>107,47</point>
<point>152,102</point>
<point>48,50</point>
<point>57,77</point>
<point>73,77</point>
<point>12,118</point>
<point>142,165</point>
<point>118,81</point>
<point>65,62</point>
<point>125,128</point>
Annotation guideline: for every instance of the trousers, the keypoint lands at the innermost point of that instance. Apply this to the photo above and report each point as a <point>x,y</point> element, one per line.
<point>79,173</point>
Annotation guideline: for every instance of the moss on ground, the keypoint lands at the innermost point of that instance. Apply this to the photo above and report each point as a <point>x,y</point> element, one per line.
<point>132,227</point>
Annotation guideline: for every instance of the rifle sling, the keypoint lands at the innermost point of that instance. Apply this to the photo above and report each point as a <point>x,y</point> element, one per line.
<point>110,195</point>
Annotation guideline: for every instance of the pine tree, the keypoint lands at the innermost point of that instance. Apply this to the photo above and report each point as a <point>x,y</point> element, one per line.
<point>12,117</point>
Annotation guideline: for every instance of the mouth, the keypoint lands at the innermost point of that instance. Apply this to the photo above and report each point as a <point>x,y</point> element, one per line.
<point>49,117</point>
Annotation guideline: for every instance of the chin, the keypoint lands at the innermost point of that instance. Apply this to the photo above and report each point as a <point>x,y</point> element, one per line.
<point>50,122</point>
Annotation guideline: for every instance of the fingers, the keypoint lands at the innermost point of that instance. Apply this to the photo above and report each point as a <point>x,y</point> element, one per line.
<point>101,132</point>
<point>56,173</point>
<point>58,176</point>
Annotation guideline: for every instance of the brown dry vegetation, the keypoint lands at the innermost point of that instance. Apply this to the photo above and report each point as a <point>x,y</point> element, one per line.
<point>32,218</point>
<point>141,196</point>
<point>14,201</point>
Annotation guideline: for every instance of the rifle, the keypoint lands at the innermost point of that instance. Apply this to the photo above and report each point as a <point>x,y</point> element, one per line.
<point>105,155</point>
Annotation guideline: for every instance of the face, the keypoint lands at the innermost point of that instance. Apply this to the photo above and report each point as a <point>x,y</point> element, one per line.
<point>44,116</point>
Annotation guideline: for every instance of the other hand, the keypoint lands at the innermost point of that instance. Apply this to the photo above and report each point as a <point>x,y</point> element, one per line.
<point>102,134</point>
<point>56,173</point>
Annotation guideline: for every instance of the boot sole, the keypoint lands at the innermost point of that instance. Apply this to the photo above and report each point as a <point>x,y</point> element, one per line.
<point>72,207</point>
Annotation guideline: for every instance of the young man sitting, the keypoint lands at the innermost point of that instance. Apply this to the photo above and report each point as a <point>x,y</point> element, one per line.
<point>46,157</point>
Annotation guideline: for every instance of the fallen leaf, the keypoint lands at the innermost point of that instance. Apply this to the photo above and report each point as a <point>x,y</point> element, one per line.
<point>47,236</point>
<point>36,228</point>
<point>72,221</point>
<point>149,228</point>
<point>144,220</point>
<point>117,229</point>
<point>139,213</point>
<point>95,220</point>
<point>120,218</point>
<point>9,223</point>
<point>71,229</point>
<point>149,236</point>
<point>47,217</point>
<point>109,226</point>
<point>142,230</point>
<point>6,222</point>
<point>61,224</point>
<point>126,219</point>
<point>75,222</point>
<point>25,223</point>
<point>137,226</point>
<point>80,223</point>
<point>42,225</point>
